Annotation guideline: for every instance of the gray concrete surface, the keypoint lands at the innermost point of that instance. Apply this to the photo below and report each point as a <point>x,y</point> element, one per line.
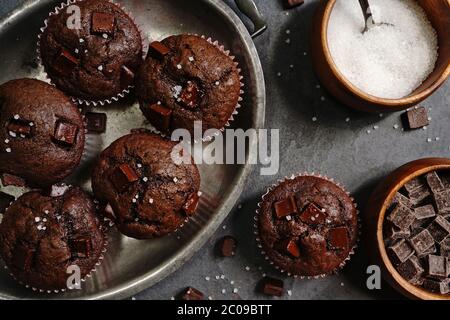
<point>332,146</point>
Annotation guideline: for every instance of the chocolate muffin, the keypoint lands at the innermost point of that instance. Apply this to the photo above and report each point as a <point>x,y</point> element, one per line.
<point>42,132</point>
<point>42,236</point>
<point>96,61</point>
<point>186,78</point>
<point>308,226</point>
<point>146,193</point>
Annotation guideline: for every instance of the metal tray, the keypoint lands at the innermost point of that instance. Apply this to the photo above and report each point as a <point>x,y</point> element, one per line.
<point>131,265</point>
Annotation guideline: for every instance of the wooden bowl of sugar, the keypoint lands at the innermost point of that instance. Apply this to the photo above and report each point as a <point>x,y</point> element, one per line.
<point>389,68</point>
<point>376,214</point>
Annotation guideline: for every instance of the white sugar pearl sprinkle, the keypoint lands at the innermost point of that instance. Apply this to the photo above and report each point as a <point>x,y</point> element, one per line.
<point>179,66</point>
<point>8,150</point>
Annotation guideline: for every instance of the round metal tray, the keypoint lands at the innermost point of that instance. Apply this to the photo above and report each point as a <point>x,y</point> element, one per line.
<point>131,265</point>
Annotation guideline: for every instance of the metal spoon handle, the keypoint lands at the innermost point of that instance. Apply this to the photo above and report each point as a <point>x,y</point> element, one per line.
<point>249,8</point>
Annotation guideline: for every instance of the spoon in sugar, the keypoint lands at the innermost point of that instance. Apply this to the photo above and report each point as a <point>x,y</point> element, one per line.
<point>368,18</point>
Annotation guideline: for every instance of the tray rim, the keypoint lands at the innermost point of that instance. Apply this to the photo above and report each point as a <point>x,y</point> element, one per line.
<point>149,279</point>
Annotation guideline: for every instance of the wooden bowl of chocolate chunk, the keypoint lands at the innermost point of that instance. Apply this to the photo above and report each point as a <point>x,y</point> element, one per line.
<point>408,229</point>
<point>400,60</point>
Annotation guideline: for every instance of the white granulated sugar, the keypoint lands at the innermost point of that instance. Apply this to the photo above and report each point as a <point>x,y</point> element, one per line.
<point>387,61</point>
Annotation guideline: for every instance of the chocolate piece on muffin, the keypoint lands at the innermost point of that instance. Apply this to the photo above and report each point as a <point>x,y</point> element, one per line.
<point>42,236</point>
<point>148,195</point>
<point>184,79</point>
<point>98,61</point>
<point>42,132</point>
<point>308,226</point>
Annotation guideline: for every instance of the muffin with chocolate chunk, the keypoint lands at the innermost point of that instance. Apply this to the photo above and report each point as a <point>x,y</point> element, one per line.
<point>42,133</point>
<point>42,237</point>
<point>95,60</point>
<point>307,226</point>
<point>187,78</point>
<point>144,191</point>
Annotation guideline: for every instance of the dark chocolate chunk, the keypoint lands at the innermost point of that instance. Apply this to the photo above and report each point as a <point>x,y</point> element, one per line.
<point>20,127</point>
<point>424,212</point>
<point>421,242</point>
<point>191,205</point>
<point>290,247</point>
<point>411,270</point>
<point>81,246</point>
<point>289,4</point>
<point>401,251</point>
<point>126,77</point>
<point>420,194</point>
<point>23,257</point>
<point>447,263</point>
<point>441,287</point>
<point>439,229</point>
<point>123,176</point>
<point>96,122</point>
<point>430,250</point>
<point>103,23</point>
<point>442,200</point>
<point>285,207</point>
<point>436,267</point>
<point>416,118</point>
<point>191,293</point>
<point>445,247</point>
<point>190,95</point>
<point>5,201</point>
<point>10,180</point>
<point>227,246</point>
<point>401,199</point>
<point>338,238</point>
<point>394,233</point>
<point>157,50</point>
<point>160,116</point>
<point>65,62</point>
<point>434,182</point>
<point>402,217</point>
<point>414,184</point>
<point>272,287</point>
<point>313,215</point>
<point>65,132</point>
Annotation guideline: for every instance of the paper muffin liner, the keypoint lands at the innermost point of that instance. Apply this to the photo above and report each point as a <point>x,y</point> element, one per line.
<point>89,275</point>
<point>258,239</point>
<point>235,112</point>
<point>79,101</point>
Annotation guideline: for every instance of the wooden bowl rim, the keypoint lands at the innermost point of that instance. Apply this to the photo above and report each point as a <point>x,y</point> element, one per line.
<point>418,292</point>
<point>408,100</point>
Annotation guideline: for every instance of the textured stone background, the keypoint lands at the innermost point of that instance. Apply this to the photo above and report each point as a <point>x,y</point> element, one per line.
<point>343,150</point>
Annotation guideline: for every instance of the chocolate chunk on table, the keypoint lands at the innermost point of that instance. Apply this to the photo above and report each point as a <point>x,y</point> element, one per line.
<point>285,207</point>
<point>436,286</point>
<point>421,242</point>
<point>313,215</point>
<point>5,201</point>
<point>402,217</point>
<point>227,246</point>
<point>160,116</point>
<point>401,251</point>
<point>289,4</point>
<point>442,201</point>
<point>96,122</point>
<point>416,118</point>
<point>11,180</point>
<point>411,270</point>
<point>272,287</point>
<point>434,182</point>
<point>191,293</point>
<point>436,267</point>
<point>439,229</point>
<point>103,23</point>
